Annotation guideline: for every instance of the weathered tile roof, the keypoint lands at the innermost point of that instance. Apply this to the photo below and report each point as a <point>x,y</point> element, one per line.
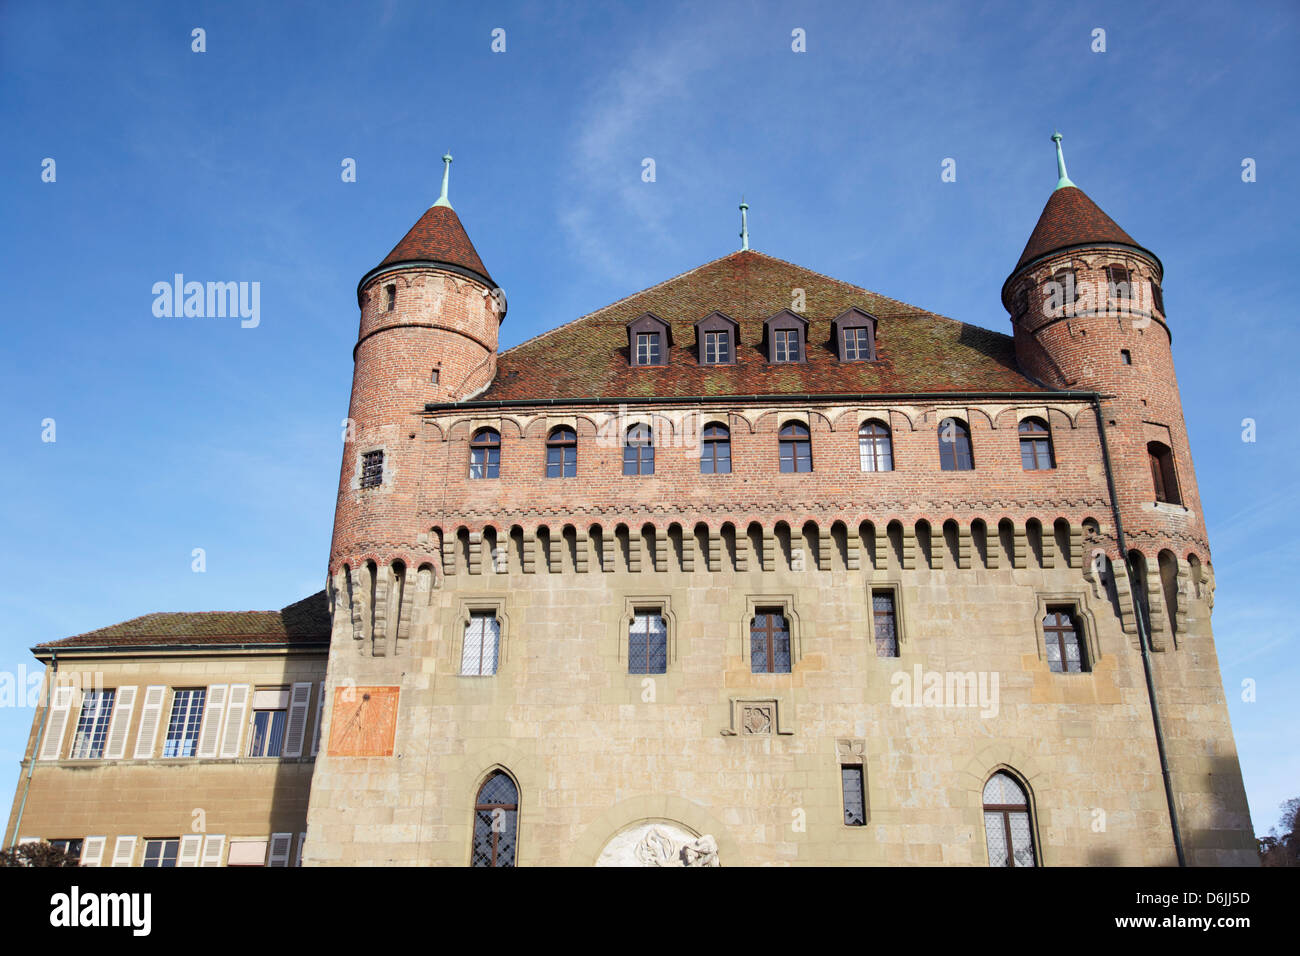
<point>1070,218</point>
<point>305,622</point>
<point>918,351</point>
<point>438,236</point>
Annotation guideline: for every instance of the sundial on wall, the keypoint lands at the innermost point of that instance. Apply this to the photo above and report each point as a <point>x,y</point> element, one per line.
<point>364,722</point>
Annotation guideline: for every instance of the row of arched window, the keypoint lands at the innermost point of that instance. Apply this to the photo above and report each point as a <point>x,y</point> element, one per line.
<point>1008,818</point>
<point>794,446</point>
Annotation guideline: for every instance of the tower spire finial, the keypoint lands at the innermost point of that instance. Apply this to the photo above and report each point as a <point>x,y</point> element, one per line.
<point>744,225</point>
<point>446,175</point>
<point>1062,180</point>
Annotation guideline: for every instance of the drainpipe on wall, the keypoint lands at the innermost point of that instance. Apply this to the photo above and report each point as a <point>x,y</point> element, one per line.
<point>1143,641</point>
<point>40,739</point>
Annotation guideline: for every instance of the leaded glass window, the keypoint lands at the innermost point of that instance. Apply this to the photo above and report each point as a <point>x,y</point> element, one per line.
<point>647,643</point>
<point>496,819</point>
<point>769,643</point>
<point>1007,825</point>
<point>1065,652</point>
<point>885,621</point>
<point>478,657</point>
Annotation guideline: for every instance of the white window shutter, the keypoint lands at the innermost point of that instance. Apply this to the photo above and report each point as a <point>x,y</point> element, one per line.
<point>191,847</point>
<point>295,728</point>
<point>124,851</point>
<point>92,851</point>
<point>150,717</point>
<point>302,842</point>
<point>320,716</point>
<point>213,844</point>
<point>281,844</point>
<point>57,723</point>
<point>214,709</point>
<point>236,716</point>
<point>119,725</point>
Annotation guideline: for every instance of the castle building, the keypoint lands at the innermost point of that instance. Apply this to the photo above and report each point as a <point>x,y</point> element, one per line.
<point>754,566</point>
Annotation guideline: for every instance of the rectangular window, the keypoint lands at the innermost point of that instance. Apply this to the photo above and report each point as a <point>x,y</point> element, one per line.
<point>161,852</point>
<point>857,344</point>
<point>390,298</point>
<point>855,798</point>
<point>1118,280</point>
<point>183,726</point>
<point>885,622</point>
<point>478,657</point>
<point>787,345</point>
<point>647,643</point>
<point>647,348</point>
<point>717,348</point>
<point>92,725</point>
<point>1126,356</point>
<point>270,711</point>
<point>769,642</point>
<point>372,469</point>
<point>71,847</point>
<point>1065,651</point>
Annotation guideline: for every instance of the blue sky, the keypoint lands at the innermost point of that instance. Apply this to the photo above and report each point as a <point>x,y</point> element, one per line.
<point>225,165</point>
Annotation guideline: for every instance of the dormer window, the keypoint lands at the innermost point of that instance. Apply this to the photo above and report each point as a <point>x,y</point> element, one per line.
<point>717,348</point>
<point>717,337</point>
<point>855,336</point>
<point>648,339</point>
<point>786,337</point>
<point>786,347</point>
<point>647,348</point>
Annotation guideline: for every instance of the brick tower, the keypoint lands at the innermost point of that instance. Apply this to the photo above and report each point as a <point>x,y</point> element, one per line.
<point>1086,306</point>
<point>430,315</point>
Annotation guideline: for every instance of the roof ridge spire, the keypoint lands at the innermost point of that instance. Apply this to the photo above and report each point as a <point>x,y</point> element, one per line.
<point>446,175</point>
<point>1063,179</point>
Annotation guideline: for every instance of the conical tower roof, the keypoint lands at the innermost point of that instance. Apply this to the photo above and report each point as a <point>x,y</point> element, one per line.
<point>1070,218</point>
<point>439,237</point>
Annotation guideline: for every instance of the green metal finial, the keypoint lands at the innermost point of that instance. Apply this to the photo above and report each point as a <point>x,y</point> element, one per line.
<point>744,225</point>
<point>1064,180</point>
<point>446,174</point>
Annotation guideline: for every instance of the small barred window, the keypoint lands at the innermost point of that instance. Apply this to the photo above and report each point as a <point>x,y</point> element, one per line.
<point>372,469</point>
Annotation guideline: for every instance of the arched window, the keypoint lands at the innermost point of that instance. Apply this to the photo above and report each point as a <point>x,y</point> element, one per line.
<point>715,456</point>
<point>796,448</point>
<point>496,819</point>
<point>1066,653</point>
<point>1162,473</point>
<point>1007,826</point>
<point>485,454</point>
<point>639,452</point>
<point>875,449</point>
<point>562,453</point>
<point>954,446</point>
<point>1036,445</point>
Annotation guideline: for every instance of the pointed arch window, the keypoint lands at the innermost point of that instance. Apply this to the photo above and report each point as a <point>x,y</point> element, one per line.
<point>1036,446</point>
<point>795,448</point>
<point>639,451</point>
<point>954,446</point>
<point>496,822</point>
<point>875,447</point>
<point>562,453</point>
<point>715,455</point>
<point>1008,828</point>
<point>485,454</point>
